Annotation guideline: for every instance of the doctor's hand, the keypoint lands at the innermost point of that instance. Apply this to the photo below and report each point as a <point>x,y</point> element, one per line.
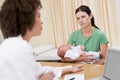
<point>47,76</point>
<point>77,68</point>
<point>72,69</point>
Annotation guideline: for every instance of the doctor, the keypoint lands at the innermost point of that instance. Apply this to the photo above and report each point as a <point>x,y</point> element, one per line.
<point>20,21</point>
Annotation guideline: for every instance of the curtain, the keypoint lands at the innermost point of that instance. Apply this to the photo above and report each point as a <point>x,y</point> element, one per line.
<point>64,22</point>
<point>59,20</point>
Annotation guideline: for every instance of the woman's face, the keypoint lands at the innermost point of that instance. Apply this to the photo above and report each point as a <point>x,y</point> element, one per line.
<point>37,28</point>
<point>83,19</point>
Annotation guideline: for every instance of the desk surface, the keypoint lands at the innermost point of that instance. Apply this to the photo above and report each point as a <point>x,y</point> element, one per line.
<point>91,71</point>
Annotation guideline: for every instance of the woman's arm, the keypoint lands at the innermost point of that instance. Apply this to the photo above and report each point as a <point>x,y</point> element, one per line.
<point>67,60</point>
<point>103,51</point>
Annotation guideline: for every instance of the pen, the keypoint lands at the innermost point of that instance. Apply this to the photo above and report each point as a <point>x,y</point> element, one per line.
<point>72,78</point>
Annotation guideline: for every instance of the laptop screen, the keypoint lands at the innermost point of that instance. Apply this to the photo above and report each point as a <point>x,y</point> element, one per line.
<point>112,64</point>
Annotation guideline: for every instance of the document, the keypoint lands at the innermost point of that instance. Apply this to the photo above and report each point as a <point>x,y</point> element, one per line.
<point>74,77</point>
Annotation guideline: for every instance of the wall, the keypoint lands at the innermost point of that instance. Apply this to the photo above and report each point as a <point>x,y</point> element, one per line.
<point>1,2</point>
<point>47,34</point>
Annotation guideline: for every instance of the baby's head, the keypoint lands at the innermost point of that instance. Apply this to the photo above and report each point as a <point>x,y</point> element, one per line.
<point>62,50</point>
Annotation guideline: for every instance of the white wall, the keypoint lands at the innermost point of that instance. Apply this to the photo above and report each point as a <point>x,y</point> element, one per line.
<point>1,37</point>
<point>1,2</point>
<point>47,34</point>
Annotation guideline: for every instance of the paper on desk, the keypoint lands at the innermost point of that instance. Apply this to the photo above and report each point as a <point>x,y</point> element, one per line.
<point>74,77</point>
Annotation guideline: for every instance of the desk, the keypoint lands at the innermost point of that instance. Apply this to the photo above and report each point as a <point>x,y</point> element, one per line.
<point>91,71</point>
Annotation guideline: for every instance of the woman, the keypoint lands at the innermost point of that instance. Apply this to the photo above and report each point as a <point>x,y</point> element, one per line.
<point>90,36</point>
<point>20,21</point>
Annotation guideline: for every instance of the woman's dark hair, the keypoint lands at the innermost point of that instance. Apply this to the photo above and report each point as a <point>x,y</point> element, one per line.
<point>18,16</point>
<point>86,9</point>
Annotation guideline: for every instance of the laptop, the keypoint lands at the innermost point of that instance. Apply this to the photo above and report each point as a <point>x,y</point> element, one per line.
<point>112,65</point>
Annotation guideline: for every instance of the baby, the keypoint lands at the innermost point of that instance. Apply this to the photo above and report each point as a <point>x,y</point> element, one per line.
<point>74,52</point>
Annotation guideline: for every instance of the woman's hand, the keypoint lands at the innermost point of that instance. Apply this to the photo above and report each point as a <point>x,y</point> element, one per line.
<point>101,61</point>
<point>47,76</point>
<point>85,58</point>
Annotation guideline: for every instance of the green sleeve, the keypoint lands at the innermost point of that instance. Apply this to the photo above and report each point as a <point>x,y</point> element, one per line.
<point>103,39</point>
<point>71,39</point>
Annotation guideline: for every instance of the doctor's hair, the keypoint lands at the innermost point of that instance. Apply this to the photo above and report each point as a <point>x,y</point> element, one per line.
<point>18,16</point>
